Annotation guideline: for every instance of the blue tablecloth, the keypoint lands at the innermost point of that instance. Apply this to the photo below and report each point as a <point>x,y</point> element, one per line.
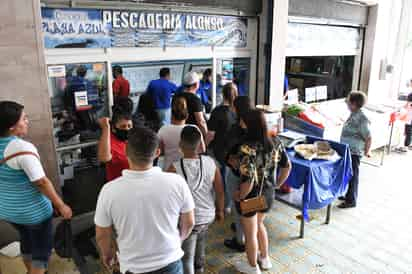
<point>323,181</point>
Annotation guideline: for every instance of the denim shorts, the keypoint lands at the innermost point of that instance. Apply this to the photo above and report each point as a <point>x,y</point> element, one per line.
<point>36,242</point>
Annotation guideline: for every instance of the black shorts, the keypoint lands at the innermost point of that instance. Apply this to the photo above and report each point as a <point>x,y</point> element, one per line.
<point>269,194</point>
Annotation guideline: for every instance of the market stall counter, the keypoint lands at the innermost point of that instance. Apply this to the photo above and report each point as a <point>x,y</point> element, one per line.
<point>326,119</point>
<point>317,183</point>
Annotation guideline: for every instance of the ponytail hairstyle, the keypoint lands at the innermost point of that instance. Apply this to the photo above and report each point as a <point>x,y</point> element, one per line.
<point>179,108</point>
<point>230,93</point>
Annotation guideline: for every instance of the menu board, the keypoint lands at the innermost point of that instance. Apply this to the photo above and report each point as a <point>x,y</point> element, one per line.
<point>139,76</point>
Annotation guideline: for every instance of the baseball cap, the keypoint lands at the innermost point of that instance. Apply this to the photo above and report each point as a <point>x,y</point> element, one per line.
<point>191,78</point>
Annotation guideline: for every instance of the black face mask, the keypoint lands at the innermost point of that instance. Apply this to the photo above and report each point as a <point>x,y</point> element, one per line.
<point>121,134</point>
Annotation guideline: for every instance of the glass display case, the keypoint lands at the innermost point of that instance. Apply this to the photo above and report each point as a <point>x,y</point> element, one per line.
<point>79,97</point>
<point>336,73</point>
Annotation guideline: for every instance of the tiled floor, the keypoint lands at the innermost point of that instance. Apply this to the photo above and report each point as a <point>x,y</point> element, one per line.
<point>376,237</point>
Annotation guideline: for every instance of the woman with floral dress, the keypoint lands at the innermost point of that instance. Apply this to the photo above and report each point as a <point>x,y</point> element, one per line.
<point>264,165</point>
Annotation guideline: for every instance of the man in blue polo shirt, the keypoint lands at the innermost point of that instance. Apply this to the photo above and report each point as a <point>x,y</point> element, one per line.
<point>161,91</point>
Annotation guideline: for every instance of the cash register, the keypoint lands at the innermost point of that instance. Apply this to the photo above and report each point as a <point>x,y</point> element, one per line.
<point>290,139</point>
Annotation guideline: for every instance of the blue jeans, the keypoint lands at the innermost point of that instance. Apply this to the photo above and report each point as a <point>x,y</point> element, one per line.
<point>195,250</point>
<point>228,195</point>
<point>173,268</point>
<point>232,183</point>
<point>36,242</point>
<point>164,115</point>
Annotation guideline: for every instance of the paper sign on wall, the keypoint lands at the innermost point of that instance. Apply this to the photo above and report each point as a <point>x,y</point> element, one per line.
<point>80,99</point>
<point>321,93</point>
<point>293,96</point>
<point>310,95</point>
<point>57,71</point>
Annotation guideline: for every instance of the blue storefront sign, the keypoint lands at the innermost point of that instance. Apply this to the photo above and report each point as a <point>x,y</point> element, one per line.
<point>92,28</point>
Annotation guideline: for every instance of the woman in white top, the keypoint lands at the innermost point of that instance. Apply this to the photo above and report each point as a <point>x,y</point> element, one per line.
<point>170,134</point>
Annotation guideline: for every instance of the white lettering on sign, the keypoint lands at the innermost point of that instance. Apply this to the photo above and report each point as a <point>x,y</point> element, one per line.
<point>133,20</point>
<point>159,24</point>
<point>142,21</point>
<point>166,21</point>
<point>178,22</point>
<point>116,19</point>
<point>161,21</point>
<point>124,18</point>
<point>151,20</point>
<point>107,17</point>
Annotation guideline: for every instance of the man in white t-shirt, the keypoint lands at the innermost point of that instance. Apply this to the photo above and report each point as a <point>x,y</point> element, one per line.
<point>151,211</point>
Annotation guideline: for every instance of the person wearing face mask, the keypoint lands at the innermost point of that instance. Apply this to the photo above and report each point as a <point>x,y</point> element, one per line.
<point>112,143</point>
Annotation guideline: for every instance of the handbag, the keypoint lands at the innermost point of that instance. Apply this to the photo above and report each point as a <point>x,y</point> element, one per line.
<point>257,203</point>
<point>63,239</point>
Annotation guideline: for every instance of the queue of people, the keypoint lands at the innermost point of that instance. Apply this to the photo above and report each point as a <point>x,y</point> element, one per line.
<point>159,217</point>
<point>242,160</point>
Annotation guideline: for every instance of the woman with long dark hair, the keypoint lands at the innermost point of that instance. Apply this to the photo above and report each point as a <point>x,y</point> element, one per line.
<point>260,157</point>
<point>233,140</point>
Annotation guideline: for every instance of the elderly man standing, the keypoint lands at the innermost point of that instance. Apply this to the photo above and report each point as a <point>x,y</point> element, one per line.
<point>151,211</point>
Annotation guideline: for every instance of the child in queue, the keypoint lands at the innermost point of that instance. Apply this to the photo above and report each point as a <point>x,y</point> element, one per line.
<point>205,183</point>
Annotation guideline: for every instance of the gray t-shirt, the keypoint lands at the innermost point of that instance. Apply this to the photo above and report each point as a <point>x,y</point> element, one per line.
<point>201,186</point>
<point>355,132</point>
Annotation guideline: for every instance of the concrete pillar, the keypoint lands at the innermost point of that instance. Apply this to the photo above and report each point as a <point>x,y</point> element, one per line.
<point>279,43</point>
<point>400,48</point>
<point>385,38</point>
<point>23,73</point>
<point>369,41</point>
<point>277,49</point>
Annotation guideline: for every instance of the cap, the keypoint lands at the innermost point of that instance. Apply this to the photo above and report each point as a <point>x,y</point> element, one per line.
<point>191,78</point>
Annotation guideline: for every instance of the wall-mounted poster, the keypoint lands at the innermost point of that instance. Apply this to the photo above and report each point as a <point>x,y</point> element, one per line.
<point>93,28</point>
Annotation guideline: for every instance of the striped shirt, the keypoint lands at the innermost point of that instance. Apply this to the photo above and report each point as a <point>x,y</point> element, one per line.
<point>20,201</point>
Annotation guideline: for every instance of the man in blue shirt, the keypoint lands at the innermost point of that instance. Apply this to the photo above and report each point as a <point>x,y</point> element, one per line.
<point>205,89</point>
<point>161,91</point>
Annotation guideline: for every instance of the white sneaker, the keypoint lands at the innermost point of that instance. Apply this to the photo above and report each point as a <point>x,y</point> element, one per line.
<point>265,263</point>
<point>246,268</point>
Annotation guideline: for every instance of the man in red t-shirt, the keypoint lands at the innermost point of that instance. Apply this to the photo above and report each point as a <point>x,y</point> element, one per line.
<point>121,86</point>
<point>112,144</point>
